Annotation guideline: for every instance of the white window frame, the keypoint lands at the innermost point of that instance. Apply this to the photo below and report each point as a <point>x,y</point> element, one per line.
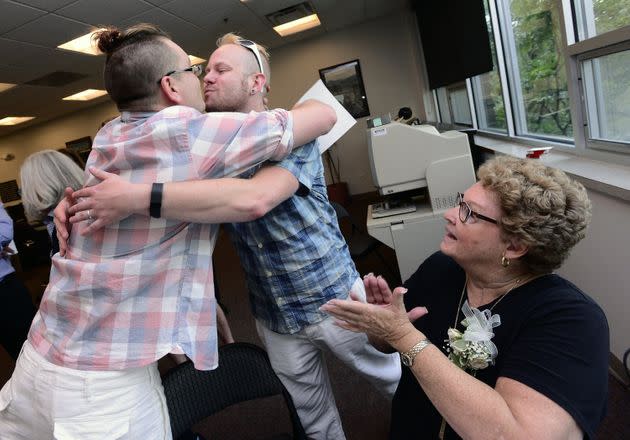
<point>588,75</point>
<point>573,52</point>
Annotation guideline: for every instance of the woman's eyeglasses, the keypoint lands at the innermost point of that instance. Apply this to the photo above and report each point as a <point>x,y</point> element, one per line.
<point>465,211</point>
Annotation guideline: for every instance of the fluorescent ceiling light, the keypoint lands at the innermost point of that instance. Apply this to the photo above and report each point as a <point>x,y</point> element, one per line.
<point>6,86</point>
<point>299,25</point>
<point>83,44</point>
<point>195,60</point>
<point>85,95</point>
<point>15,120</point>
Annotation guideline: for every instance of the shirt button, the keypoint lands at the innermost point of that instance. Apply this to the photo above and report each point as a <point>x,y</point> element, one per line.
<point>259,245</point>
<point>269,274</point>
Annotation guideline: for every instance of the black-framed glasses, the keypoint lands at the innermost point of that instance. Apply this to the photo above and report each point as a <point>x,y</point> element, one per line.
<point>197,69</point>
<point>249,44</point>
<point>465,211</point>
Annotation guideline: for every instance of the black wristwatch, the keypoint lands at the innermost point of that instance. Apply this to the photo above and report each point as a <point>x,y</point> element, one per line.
<point>155,206</point>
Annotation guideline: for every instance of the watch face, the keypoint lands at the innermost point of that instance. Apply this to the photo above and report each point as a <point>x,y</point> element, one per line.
<point>406,360</point>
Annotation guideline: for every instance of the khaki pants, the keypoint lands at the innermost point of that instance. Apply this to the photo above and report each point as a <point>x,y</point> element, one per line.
<point>298,361</point>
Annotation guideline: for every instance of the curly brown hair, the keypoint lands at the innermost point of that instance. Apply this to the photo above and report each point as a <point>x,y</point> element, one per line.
<point>541,206</point>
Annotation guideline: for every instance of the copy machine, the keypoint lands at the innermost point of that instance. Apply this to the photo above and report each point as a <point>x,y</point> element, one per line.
<point>406,157</point>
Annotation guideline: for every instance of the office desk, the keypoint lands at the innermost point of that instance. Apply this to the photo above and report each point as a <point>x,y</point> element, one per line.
<point>414,236</point>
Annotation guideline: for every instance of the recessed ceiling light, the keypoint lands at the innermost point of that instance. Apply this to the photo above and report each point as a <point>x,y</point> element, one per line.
<point>85,95</point>
<point>299,25</point>
<point>83,44</point>
<point>15,120</point>
<point>195,60</point>
<point>294,19</point>
<point>6,86</point>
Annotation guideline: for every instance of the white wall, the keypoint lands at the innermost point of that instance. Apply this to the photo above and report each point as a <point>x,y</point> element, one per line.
<point>53,134</point>
<point>389,52</point>
<point>599,265</point>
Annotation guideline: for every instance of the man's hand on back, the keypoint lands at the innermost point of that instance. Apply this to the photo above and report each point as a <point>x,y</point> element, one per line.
<point>109,201</point>
<point>61,221</point>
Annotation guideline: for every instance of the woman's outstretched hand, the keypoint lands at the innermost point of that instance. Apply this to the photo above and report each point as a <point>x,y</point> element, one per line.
<point>383,317</point>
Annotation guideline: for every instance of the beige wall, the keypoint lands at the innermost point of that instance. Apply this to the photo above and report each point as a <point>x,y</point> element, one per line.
<point>389,53</point>
<point>53,134</point>
<point>599,264</point>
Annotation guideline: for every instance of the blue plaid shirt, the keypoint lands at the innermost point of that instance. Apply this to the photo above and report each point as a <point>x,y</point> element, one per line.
<point>295,257</point>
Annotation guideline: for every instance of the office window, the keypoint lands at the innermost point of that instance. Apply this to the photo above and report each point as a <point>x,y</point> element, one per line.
<point>605,80</point>
<point>594,17</point>
<point>488,91</point>
<point>537,45</point>
<point>460,105</point>
<point>454,104</point>
<point>444,109</point>
<point>536,69</point>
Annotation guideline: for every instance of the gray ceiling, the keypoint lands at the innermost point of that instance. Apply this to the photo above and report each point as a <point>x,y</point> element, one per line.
<point>31,30</point>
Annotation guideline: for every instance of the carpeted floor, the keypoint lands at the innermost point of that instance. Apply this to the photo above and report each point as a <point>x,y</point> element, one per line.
<point>364,412</point>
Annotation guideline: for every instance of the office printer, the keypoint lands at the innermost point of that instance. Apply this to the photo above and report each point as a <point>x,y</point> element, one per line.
<point>406,157</point>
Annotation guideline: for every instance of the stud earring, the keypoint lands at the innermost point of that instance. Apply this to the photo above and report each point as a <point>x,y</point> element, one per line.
<point>505,262</point>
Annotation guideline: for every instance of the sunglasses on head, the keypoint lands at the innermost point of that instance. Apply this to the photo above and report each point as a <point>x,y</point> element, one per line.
<point>248,44</point>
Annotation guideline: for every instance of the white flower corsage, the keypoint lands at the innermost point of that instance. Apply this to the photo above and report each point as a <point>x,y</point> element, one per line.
<point>473,350</point>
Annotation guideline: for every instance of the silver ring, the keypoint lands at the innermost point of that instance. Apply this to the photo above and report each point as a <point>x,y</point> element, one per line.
<point>89,214</point>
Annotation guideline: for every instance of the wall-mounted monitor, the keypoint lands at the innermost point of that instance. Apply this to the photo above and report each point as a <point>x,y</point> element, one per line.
<point>454,38</point>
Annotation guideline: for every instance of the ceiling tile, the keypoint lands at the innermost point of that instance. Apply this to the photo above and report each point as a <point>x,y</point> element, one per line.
<point>17,53</point>
<point>98,12</point>
<point>17,75</point>
<point>43,59</point>
<point>263,7</point>
<point>48,5</point>
<point>239,20</point>
<point>158,2</point>
<point>50,30</point>
<point>14,15</point>
<point>168,22</point>
<point>195,10</point>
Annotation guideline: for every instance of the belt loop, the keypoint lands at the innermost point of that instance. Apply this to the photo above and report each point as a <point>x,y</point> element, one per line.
<point>87,389</point>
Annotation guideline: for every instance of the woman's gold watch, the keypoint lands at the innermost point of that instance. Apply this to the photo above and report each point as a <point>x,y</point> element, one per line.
<point>407,357</point>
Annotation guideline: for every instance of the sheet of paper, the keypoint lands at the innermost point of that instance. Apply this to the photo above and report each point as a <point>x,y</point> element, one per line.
<point>344,119</point>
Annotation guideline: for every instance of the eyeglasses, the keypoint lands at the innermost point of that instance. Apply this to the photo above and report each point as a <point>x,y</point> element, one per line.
<point>465,211</point>
<point>197,69</point>
<point>248,44</point>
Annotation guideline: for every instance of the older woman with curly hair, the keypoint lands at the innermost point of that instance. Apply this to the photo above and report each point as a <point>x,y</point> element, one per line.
<point>507,348</point>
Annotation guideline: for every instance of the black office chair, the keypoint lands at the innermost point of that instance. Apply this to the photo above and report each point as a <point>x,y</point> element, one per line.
<point>244,373</point>
<point>360,243</point>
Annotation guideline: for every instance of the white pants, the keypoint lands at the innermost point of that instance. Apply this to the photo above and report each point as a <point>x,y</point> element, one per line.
<point>298,361</point>
<point>45,401</point>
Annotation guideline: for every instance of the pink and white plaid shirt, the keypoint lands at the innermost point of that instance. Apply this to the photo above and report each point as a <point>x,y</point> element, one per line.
<point>132,292</point>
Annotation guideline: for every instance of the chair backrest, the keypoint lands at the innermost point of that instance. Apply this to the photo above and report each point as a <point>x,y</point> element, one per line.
<point>244,373</point>
<point>340,210</point>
